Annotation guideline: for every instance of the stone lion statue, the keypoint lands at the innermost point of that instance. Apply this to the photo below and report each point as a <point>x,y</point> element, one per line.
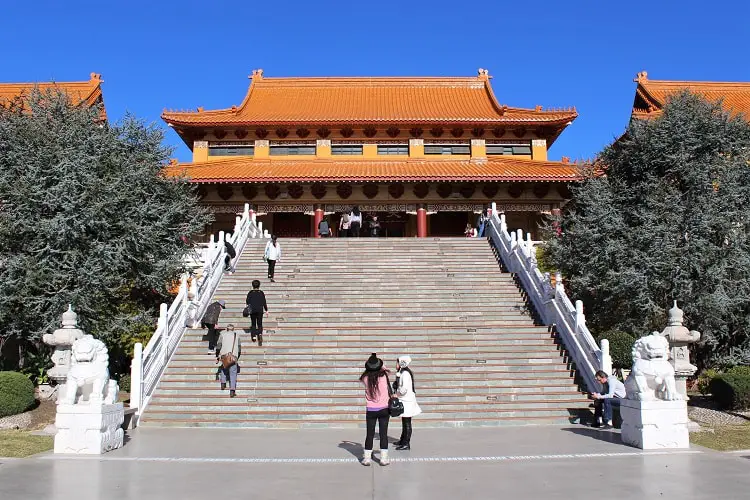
<point>652,376</point>
<point>88,379</point>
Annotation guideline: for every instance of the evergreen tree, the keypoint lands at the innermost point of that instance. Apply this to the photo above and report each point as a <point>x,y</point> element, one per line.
<point>668,219</point>
<point>86,218</point>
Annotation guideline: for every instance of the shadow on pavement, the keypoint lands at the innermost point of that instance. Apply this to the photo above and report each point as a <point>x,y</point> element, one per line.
<point>355,449</point>
<point>608,436</point>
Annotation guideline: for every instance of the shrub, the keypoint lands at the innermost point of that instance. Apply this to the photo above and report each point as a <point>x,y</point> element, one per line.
<point>16,393</point>
<point>743,370</point>
<point>124,383</point>
<point>731,390</point>
<point>704,380</point>
<point>620,348</point>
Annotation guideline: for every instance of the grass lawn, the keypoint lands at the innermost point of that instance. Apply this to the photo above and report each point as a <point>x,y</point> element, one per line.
<point>724,438</point>
<point>19,444</point>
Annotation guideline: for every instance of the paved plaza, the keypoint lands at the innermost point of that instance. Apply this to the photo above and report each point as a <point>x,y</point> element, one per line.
<point>510,462</point>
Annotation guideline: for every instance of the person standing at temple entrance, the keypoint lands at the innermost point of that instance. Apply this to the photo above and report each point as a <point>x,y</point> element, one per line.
<point>324,229</point>
<point>482,221</point>
<point>344,224</point>
<point>272,255</point>
<point>355,220</point>
<point>374,227</point>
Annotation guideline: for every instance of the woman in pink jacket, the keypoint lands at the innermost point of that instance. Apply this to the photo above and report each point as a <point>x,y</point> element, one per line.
<point>377,395</point>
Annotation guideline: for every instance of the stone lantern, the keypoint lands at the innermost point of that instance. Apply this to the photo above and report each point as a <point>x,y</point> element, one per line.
<point>62,339</point>
<point>679,339</point>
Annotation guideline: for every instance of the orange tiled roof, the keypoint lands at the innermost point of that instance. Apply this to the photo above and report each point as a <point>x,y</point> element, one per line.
<point>651,95</point>
<point>268,170</point>
<point>271,101</point>
<point>87,93</point>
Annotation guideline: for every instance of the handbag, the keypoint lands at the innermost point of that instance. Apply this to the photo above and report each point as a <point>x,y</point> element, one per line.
<point>246,311</point>
<point>229,358</point>
<point>395,406</point>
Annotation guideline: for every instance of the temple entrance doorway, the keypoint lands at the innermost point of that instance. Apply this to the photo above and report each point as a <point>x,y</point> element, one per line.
<point>446,223</point>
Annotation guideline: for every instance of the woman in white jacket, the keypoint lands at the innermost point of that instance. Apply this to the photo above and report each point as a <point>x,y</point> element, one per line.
<point>272,255</point>
<point>404,389</point>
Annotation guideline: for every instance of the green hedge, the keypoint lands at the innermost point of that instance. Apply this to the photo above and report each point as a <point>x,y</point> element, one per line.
<point>620,348</point>
<point>124,383</point>
<point>731,390</point>
<point>16,393</point>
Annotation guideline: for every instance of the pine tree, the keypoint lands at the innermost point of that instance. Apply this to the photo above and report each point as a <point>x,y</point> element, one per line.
<point>669,219</point>
<point>86,218</point>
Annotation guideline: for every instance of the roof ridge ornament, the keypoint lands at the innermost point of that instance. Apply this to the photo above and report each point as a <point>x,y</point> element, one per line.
<point>483,74</point>
<point>641,77</point>
<point>257,74</point>
<point>96,77</point>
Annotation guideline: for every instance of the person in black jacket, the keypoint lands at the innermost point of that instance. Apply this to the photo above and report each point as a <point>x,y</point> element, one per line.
<point>210,318</point>
<point>231,254</point>
<point>256,301</point>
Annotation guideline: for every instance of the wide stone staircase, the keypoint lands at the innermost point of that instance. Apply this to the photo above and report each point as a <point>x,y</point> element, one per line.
<point>478,358</point>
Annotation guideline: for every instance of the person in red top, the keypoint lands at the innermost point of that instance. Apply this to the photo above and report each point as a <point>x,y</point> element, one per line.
<point>377,396</point>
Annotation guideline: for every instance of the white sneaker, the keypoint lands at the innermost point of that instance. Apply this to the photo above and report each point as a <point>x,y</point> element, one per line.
<point>367,458</point>
<point>384,460</point>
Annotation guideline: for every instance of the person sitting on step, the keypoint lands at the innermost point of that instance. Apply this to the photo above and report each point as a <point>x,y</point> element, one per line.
<point>256,301</point>
<point>612,392</point>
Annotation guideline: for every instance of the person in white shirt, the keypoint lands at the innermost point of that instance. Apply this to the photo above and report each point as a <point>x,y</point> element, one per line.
<point>272,255</point>
<point>614,391</point>
<point>355,222</point>
<point>403,388</point>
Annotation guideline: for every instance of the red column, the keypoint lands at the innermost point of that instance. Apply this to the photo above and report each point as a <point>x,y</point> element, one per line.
<point>318,218</point>
<point>421,222</point>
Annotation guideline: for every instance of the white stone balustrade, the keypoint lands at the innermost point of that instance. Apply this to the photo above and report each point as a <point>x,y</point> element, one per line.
<point>553,306</point>
<point>185,311</point>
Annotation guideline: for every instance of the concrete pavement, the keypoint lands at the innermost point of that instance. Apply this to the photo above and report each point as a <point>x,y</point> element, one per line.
<point>510,462</point>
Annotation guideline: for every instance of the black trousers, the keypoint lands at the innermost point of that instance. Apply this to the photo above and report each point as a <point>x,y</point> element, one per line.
<point>256,324</point>
<point>354,229</point>
<point>212,335</point>
<point>271,267</point>
<point>405,430</point>
<point>381,418</point>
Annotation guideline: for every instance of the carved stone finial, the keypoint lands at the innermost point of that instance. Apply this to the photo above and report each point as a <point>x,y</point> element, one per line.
<point>642,76</point>
<point>69,318</point>
<point>675,316</point>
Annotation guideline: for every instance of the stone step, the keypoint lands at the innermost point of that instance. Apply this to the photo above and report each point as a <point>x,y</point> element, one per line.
<point>289,341</point>
<point>511,372</point>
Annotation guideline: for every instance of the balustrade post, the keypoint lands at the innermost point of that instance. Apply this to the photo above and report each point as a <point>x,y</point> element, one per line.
<point>184,288</point>
<point>491,209</point>
<point>513,241</point>
<point>246,211</point>
<point>503,224</point>
<point>580,318</point>
<point>605,363</point>
<point>136,377</point>
<point>260,229</point>
<point>163,325</point>
<point>559,288</point>
<point>237,224</point>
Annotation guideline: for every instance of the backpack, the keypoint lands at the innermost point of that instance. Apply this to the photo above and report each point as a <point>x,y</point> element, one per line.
<point>323,227</point>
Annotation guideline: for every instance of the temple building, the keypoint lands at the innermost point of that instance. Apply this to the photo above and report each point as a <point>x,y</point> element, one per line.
<point>651,95</point>
<point>423,154</point>
<point>85,93</point>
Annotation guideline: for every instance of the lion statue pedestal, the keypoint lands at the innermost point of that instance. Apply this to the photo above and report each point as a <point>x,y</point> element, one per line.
<point>89,418</point>
<point>654,414</point>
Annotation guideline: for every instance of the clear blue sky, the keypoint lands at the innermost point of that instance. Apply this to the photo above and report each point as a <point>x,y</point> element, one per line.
<point>184,54</point>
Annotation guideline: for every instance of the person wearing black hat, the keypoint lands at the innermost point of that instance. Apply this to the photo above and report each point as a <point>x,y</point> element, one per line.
<point>377,395</point>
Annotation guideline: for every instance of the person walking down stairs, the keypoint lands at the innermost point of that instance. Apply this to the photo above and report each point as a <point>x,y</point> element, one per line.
<point>256,301</point>
<point>210,319</point>
<point>272,255</point>
<point>403,387</point>
<point>377,396</point>
<point>228,352</point>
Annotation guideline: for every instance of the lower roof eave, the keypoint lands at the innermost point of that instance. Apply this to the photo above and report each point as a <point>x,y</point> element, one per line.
<point>382,180</point>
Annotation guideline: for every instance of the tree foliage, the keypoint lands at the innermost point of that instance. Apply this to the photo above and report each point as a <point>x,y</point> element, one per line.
<point>86,218</point>
<point>670,219</point>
